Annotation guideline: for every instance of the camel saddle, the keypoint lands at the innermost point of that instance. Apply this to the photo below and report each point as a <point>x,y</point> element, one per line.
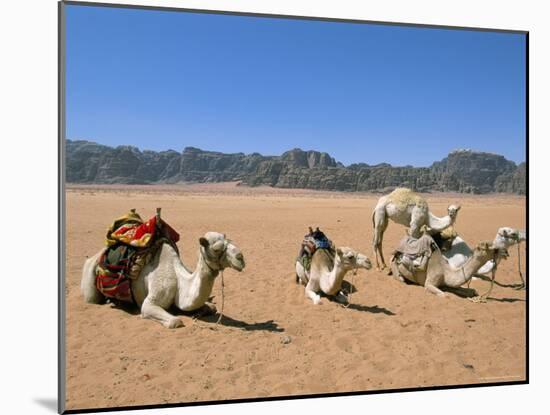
<point>131,244</point>
<point>313,241</point>
<point>414,253</point>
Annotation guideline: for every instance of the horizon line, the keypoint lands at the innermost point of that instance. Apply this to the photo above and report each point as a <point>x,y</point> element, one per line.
<point>457,150</point>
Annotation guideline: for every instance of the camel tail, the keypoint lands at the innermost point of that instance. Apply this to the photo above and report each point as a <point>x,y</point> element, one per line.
<point>87,283</point>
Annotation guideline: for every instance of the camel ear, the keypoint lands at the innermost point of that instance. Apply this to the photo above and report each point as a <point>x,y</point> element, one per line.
<point>458,207</point>
<point>339,252</point>
<point>204,242</point>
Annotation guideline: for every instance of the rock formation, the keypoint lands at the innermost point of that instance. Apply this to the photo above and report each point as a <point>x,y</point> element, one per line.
<point>463,171</point>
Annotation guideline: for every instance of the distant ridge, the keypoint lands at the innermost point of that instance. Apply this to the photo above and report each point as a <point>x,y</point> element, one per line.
<point>463,170</point>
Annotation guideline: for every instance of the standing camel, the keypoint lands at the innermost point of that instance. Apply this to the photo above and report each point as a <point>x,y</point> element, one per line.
<point>407,208</point>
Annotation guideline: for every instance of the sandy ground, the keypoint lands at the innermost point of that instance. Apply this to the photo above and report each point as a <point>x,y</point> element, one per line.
<point>393,336</point>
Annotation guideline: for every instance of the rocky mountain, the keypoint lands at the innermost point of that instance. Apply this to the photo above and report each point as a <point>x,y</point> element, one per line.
<point>463,171</point>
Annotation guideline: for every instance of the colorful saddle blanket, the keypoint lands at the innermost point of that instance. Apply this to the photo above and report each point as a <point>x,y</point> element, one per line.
<point>313,241</point>
<point>131,244</point>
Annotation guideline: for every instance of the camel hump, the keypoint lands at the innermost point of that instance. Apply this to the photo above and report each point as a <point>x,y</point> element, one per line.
<point>323,257</point>
<point>403,196</point>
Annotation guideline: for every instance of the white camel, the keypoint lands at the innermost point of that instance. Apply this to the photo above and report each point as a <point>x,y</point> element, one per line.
<point>165,281</point>
<point>438,272</point>
<point>405,207</point>
<point>328,270</point>
<point>459,251</point>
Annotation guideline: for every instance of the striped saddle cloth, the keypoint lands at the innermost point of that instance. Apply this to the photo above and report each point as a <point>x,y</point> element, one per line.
<point>131,244</point>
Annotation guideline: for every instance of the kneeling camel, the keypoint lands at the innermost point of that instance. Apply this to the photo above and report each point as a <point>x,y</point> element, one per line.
<point>165,281</point>
<point>328,270</point>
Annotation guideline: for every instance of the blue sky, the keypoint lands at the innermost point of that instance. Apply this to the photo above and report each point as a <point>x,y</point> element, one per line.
<point>364,93</point>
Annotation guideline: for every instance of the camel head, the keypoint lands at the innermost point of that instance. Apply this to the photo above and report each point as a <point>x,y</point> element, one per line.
<point>507,237</point>
<point>485,251</point>
<point>349,259</point>
<point>220,252</point>
<point>363,261</point>
<point>452,211</point>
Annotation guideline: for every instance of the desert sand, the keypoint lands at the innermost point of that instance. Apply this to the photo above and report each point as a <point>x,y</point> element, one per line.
<point>273,341</point>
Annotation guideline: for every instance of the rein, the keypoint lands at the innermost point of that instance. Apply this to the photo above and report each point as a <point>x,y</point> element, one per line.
<point>519,269</point>
<point>348,297</point>
<point>209,258</point>
<point>483,298</point>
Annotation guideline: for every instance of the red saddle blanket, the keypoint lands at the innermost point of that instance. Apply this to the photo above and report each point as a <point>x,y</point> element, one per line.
<point>131,244</point>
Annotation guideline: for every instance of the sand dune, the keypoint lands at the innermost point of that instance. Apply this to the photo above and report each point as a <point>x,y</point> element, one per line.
<point>393,336</point>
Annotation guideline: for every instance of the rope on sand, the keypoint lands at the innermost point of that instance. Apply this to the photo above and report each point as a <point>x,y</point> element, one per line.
<point>348,299</point>
<point>519,269</point>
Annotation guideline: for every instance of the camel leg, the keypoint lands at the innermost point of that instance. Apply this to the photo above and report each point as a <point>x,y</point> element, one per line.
<point>395,272</point>
<point>154,312</point>
<point>312,295</point>
<point>380,222</point>
<point>88,282</point>
<point>301,276</point>
<point>434,290</point>
<point>418,219</point>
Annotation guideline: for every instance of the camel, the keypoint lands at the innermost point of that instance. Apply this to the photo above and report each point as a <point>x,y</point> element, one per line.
<point>438,272</point>
<point>165,281</point>
<point>407,208</point>
<point>459,251</point>
<point>328,270</point>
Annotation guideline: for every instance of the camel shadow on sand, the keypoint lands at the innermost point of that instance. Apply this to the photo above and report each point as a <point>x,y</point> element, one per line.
<point>123,306</point>
<point>515,286</point>
<point>268,325</point>
<point>347,288</point>
<point>462,292</point>
<point>506,300</point>
<point>371,309</point>
<point>471,293</point>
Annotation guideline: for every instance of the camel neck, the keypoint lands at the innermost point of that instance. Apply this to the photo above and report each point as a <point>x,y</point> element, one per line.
<point>203,270</point>
<point>194,288</point>
<point>439,224</point>
<point>463,274</point>
<point>332,281</point>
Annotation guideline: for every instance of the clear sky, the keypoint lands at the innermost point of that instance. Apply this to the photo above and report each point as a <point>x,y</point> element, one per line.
<point>363,93</point>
